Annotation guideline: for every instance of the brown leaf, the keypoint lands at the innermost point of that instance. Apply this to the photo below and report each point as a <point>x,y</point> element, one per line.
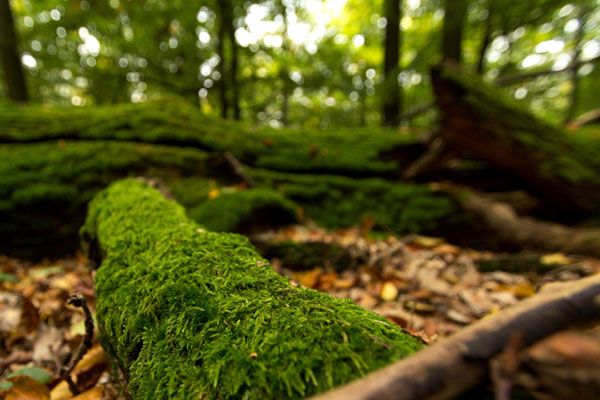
<point>308,279</point>
<point>25,388</point>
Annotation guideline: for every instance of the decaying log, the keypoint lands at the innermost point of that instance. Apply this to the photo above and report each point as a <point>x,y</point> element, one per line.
<point>458,363</point>
<point>513,229</point>
<point>477,119</point>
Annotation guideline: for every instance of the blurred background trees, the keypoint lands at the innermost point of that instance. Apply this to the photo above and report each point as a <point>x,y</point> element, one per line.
<point>305,63</point>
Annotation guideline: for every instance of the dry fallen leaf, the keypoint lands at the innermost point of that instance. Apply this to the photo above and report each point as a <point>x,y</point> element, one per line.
<point>25,388</point>
<point>308,279</point>
<point>389,292</point>
<point>555,259</point>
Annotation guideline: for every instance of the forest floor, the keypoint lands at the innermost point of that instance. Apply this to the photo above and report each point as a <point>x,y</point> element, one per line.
<point>425,285</point>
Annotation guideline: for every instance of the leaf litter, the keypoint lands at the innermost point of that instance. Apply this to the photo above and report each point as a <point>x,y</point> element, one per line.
<point>425,285</point>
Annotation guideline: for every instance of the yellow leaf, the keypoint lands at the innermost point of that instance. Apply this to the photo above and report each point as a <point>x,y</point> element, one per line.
<point>427,242</point>
<point>555,259</point>
<point>389,292</point>
<point>213,193</point>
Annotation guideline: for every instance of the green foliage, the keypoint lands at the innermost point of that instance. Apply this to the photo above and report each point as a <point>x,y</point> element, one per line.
<point>334,201</point>
<point>194,314</point>
<point>235,211</point>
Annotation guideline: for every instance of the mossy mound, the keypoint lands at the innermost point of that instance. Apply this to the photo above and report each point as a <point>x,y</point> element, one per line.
<point>239,211</point>
<point>335,201</point>
<point>45,187</point>
<point>188,313</point>
<point>173,121</point>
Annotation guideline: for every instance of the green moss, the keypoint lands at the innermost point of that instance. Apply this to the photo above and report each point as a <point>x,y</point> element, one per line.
<point>173,121</point>
<point>240,211</point>
<point>45,187</point>
<point>334,201</point>
<point>195,314</point>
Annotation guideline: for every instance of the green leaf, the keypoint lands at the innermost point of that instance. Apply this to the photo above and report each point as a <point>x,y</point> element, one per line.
<point>6,277</point>
<point>5,385</point>
<point>37,374</point>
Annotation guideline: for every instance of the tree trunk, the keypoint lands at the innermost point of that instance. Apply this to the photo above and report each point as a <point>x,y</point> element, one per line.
<point>477,119</point>
<point>574,68</point>
<point>221,50</point>
<point>392,100</point>
<point>454,19</point>
<point>487,38</point>
<point>189,313</point>
<point>233,71</point>
<point>14,78</point>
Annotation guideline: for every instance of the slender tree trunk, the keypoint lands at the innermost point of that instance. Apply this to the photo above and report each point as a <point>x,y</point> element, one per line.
<point>392,101</point>
<point>455,13</point>
<point>9,55</point>
<point>222,34</point>
<point>233,71</point>
<point>574,67</point>
<point>487,38</point>
<point>285,73</point>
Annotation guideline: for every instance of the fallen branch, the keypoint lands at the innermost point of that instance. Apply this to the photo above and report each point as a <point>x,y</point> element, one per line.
<point>458,363</point>
<point>513,229</point>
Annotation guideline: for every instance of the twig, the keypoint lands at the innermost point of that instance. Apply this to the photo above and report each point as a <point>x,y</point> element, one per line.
<point>238,169</point>
<point>77,300</point>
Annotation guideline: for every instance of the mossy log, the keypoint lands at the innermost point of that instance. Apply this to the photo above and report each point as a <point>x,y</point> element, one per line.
<point>172,121</point>
<point>188,313</point>
<point>479,120</point>
<point>45,188</point>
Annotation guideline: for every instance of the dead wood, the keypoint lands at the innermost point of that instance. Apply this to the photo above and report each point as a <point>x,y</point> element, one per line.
<point>460,362</point>
<point>520,231</point>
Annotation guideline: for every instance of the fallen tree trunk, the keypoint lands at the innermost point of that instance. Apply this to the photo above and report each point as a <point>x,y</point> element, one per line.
<point>476,119</point>
<point>174,122</point>
<point>45,188</point>
<point>526,232</point>
<point>188,313</point>
<point>454,365</point>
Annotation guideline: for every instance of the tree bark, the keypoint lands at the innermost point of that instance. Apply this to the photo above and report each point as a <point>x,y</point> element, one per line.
<point>525,232</point>
<point>14,78</point>
<point>233,71</point>
<point>392,100</point>
<point>221,50</point>
<point>574,68</point>
<point>454,365</point>
<point>454,18</point>
<point>487,38</point>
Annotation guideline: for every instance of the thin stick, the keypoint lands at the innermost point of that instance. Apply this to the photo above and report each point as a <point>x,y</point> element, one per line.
<point>77,300</point>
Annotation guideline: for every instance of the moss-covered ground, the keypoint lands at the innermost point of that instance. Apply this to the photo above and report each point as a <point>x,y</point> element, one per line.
<point>195,314</point>
<point>173,121</point>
